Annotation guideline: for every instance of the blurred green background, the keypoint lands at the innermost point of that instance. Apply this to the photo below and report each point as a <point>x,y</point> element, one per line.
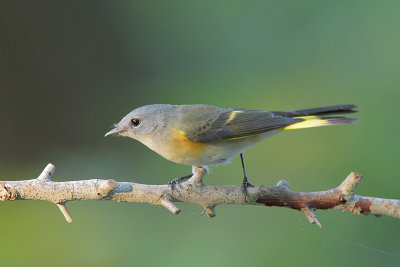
<point>70,69</point>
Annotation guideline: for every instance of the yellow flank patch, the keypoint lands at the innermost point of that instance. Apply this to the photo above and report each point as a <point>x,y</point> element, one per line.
<point>308,123</point>
<point>233,115</point>
<point>183,145</point>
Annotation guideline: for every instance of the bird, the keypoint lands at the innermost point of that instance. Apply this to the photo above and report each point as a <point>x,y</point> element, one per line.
<point>203,135</point>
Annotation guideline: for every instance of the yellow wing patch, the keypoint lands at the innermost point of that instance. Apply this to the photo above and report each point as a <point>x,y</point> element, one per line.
<point>233,115</point>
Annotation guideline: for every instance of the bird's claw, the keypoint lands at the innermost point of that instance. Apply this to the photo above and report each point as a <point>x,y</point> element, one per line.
<point>178,180</point>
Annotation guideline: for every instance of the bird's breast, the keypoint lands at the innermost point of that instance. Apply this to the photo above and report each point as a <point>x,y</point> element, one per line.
<point>175,146</point>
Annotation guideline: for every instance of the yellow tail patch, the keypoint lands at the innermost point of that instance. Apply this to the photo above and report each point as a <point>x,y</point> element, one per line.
<point>310,121</point>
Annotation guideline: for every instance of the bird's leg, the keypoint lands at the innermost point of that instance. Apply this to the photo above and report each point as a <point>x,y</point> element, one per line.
<point>180,179</point>
<point>198,173</point>
<point>245,183</point>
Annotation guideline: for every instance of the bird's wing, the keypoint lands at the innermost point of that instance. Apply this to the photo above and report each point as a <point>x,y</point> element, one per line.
<point>225,124</point>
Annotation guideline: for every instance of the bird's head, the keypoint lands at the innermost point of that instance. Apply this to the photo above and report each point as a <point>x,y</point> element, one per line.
<point>142,122</point>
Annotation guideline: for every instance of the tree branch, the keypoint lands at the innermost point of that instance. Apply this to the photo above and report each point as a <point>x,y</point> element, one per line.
<point>195,191</point>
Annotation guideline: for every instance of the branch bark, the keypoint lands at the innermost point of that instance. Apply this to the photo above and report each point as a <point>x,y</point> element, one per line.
<point>195,191</point>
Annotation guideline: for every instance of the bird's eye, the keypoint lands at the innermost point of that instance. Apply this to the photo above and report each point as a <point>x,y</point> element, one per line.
<point>135,122</point>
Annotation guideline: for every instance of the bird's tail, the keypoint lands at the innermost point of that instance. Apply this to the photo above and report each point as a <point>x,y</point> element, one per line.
<point>322,111</point>
<point>315,117</point>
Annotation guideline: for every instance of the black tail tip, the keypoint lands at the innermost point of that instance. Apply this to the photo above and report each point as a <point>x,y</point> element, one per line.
<point>340,120</point>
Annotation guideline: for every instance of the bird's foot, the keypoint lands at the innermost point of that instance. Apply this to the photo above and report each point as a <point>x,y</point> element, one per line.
<point>178,180</point>
<point>245,185</point>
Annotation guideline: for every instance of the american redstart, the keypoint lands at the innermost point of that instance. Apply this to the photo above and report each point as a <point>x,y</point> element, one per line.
<point>202,135</point>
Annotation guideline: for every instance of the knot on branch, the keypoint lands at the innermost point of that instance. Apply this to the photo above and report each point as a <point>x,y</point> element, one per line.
<point>283,183</point>
<point>107,187</point>
<point>363,206</point>
<point>7,193</point>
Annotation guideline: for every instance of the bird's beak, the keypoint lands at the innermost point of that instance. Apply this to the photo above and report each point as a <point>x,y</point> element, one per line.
<point>114,131</point>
